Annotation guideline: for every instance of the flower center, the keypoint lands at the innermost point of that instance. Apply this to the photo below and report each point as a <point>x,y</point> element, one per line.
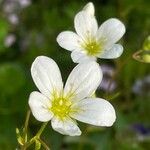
<point>92,47</point>
<point>61,107</point>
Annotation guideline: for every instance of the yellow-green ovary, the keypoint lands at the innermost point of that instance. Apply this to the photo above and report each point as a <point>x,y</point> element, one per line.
<point>92,47</point>
<point>61,107</point>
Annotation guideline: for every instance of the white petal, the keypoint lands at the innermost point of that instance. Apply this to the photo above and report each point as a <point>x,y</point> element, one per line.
<point>94,111</point>
<point>46,75</point>
<point>79,56</point>
<point>66,127</point>
<point>114,52</point>
<point>83,80</point>
<point>85,25</point>
<point>68,40</point>
<point>39,105</point>
<point>89,8</point>
<point>111,31</point>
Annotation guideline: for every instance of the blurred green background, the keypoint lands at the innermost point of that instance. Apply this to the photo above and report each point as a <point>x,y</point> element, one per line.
<point>29,29</point>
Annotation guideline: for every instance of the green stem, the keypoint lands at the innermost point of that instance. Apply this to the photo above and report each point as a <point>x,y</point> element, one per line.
<point>37,136</point>
<point>27,121</point>
<point>41,130</point>
<point>44,144</point>
<point>26,145</point>
<point>25,130</point>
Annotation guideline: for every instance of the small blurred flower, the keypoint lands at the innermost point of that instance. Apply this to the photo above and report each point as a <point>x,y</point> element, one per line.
<point>90,41</point>
<point>10,6</point>
<point>141,131</point>
<point>107,83</point>
<point>9,40</point>
<point>12,9</point>
<point>142,86</point>
<point>107,69</point>
<point>13,19</point>
<point>24,3</point>
<point>63,106</point>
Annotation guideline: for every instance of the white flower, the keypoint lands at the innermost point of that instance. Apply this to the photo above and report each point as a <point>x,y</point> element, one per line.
<point>89,8</point>
<point>90,41</point>
<point>64,106</point>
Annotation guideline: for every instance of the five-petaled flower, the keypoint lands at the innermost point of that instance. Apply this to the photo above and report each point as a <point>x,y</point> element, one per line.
<point>90,41</point>
<point>73,102</point>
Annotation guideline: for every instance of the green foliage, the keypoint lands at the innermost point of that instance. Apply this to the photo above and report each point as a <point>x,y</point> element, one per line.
<point>39,24</point>
<point>12,78</point>
<point>4,28</point>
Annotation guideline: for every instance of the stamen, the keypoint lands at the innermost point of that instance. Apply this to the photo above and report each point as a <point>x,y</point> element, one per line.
<point>92,46</point>
<point>61,107</point>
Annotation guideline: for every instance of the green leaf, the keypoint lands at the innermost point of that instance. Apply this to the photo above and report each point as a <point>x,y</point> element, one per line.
<point>19,137</point>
